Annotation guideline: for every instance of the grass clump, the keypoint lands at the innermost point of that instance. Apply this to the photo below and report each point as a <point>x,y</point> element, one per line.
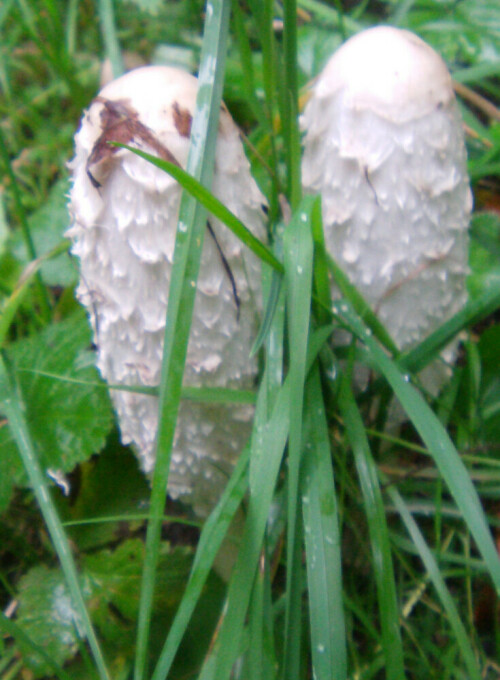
<point>361,554</point>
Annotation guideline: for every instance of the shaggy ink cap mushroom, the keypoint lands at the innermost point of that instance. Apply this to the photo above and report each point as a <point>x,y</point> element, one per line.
<point>124,219</point>
<point>384,146</point>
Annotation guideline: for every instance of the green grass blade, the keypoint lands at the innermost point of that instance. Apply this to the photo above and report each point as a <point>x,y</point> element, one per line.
<point>322,540</point>
<point>268,441</point>
<point>269,312</point>
<point>437,441</point>
<point>30,273</point>
<point>210,541</point>
<point>362,307</point>
<point>47,36</point>
<point>437,579</point>
<point>298,259</point>
<point>476,310</point>
<point>214,395</point>
<point>13,410</point>
<point>264,15</point>
<point>109,37</point>
<point>187,256</point>
<point>322,288</point>
<point>274,341</point>
<point>246,60</point>
<point>290,118</point>
<point>21,216</point>
<point>213,205</point>
<point>268,445</point>
<point>379,535</point>
<point>71,26</point>
<point>261,657</point>
<point>330,16</point>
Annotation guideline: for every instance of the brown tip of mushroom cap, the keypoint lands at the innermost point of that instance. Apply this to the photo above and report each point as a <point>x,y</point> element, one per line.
<point>389,71</point>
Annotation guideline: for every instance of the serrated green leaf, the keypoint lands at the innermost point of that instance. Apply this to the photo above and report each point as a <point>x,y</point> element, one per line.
<point>43,596</point>
<point>114,579</point>
<point>111,581</point>
<point>69,422</point>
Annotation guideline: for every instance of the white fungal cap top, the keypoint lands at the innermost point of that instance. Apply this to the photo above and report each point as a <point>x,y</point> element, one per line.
<point>384,146</point>
<point>389,71</point>
<point>125,214</point>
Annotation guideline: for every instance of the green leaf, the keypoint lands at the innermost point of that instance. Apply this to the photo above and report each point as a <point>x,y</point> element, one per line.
<point>14,409</point>
<point>68,421</point>
<point>113,580</point>
<point>43,597</point>
<point>11,629</point>
<point>47,226</point>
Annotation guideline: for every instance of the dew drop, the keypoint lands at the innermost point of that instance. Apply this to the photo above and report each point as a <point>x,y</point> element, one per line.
<point>331,373</point>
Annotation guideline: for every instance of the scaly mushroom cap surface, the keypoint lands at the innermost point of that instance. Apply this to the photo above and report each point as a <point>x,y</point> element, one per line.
<point>384,146</point>
<point>124,219</point>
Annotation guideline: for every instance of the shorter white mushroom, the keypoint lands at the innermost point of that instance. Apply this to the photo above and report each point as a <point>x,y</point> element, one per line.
<point>124,219</point>
<point>384,146</point>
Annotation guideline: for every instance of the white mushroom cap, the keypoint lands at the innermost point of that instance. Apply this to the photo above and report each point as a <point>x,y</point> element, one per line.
<point>125,214</point>
<point>390,71</point>
<point>384,146</point>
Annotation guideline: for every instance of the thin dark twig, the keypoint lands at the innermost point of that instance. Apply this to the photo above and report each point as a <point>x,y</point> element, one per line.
<point>227,269</point>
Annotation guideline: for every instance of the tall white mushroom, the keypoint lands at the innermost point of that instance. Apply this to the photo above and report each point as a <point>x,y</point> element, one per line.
<point>124,218</point>
<point>384,146</point>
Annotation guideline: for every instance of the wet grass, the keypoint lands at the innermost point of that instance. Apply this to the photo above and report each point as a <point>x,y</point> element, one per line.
<point>360,554</point>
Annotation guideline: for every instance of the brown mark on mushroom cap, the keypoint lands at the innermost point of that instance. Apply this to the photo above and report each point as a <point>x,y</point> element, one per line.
<point>120,123</point>
<point>182,120</point>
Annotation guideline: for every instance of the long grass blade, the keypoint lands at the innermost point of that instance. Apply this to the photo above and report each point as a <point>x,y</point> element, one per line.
<point>351,293</point>
<point>210,541</point>
<point>322,540</point>
<point>474,311</point>
<point>261,657</point>
<point>268,445</point>
<point>213,205</point>
<point>435,438</point>
<point>268,442</point>
<point>379,535</point>
<point>187,256</point>
<point>298,258</point>
<point>12,408</point>
<point>21,216</point>
<point>110,37</point>
<point>437,579</point>
<point>290,118</point>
